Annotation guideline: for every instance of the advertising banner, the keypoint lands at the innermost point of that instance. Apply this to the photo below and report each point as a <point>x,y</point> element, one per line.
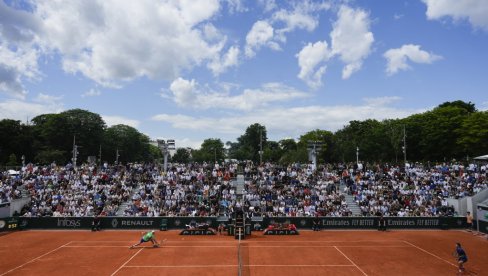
<point>182,222</point>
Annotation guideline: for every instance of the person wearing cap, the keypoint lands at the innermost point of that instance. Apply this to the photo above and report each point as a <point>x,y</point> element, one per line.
<point>147,236</point>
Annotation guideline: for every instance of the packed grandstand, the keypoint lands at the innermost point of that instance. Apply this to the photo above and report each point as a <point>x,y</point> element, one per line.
<point>198,190</point>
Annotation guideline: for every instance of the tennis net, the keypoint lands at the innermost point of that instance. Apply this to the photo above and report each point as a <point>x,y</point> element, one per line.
<point>239,255</point>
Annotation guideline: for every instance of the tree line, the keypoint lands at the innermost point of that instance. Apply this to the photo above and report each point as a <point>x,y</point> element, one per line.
<point>51,138</point>
<point>452,130</point>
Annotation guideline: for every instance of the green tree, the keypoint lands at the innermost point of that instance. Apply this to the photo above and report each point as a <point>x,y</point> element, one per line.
<point>211,150</point>
<point>12,160</point>
<point>58,132</point>
<point>469,107</point>
<point>88,127</point>
<point>153,153</point>
<point>318,136</point>
<point>473,134</point>
<point>181,155</point>
<point>50,156</point>
<point>250,143</point>
<point>439,133</point>
<point>394,130</point>
<point>272,152</point>
<point>288,144</point>
<point>15,138</point>
<point>131,145</point>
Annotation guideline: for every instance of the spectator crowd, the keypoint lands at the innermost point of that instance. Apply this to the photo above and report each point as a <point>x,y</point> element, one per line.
<point>269,190</point>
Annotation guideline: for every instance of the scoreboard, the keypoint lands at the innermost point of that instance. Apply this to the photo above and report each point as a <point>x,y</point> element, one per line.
<point>9,224</point>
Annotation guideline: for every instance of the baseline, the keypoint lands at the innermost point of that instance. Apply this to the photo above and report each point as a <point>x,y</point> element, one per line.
<point>162,246</point>
<point>210,266</point>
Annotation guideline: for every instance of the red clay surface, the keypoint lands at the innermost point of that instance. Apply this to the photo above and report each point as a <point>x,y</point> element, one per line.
<point>310,253</point>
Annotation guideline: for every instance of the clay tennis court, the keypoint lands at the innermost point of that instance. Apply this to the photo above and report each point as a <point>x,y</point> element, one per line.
<point>399,252</point>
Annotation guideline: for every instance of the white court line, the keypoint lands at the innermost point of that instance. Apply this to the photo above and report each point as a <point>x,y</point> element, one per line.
<point>99,241</point>
<point>209,266</point>
<point>36,258</point>
<point>298,265</point>
<point>248,241</point>
<point>282,241</point>
<point>126,262</point>
<point>178,266</point>
<point>248,246</point>
<point>163,246</point>
<point>351,261</point>
<point>432,254</point>
<point>96,246</point>
<point>318,241</point>
<point>321,246</point>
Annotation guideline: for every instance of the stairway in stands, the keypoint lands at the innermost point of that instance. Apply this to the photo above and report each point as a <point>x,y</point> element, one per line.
<point>123,206</point>
<point>24,192</point>
<point>353,206</point>
<point>239,189</point>
<point>239,185</point>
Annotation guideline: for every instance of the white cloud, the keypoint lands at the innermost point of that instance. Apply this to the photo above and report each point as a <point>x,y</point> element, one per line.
<point>236,6</point>
<point>188,143</point>
<point>398,16</point>
<point>351,39</point>
<point>309,58</point>
<point>381,101</point>
<point>301,15</point>
<point>295,19</point>
<point>475,11</point>
<point>44,98</point>
<point>397,58</point>
<point>290,122</point>
<point>268,5</point>
<point>15,66</point>
<point>261,34</point>
<point>91,93</point>
<point>229,59</point>
<point>187,93</point>
<point>484,106</point>
<point>199,124</point>
<point>107,47</point>
<point>184,92</point>
<point>118,120</point>
<point>26,110</point>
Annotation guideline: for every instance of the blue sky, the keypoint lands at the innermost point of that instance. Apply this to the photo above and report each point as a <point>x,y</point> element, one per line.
<point>190,70</point>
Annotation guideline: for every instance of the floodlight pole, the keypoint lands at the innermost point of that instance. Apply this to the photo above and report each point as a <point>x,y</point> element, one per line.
<point>117,157</point>
<point>314,147</point>
<point>260,146</point>
<point>164,146</point>
<point>314,155</point>
<point>75,153</point>
<point>100,156</point>
<point>357,155</point>
<point>404,146</point>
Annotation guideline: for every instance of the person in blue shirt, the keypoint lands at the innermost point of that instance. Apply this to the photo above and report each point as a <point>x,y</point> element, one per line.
<point>461,255</point>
